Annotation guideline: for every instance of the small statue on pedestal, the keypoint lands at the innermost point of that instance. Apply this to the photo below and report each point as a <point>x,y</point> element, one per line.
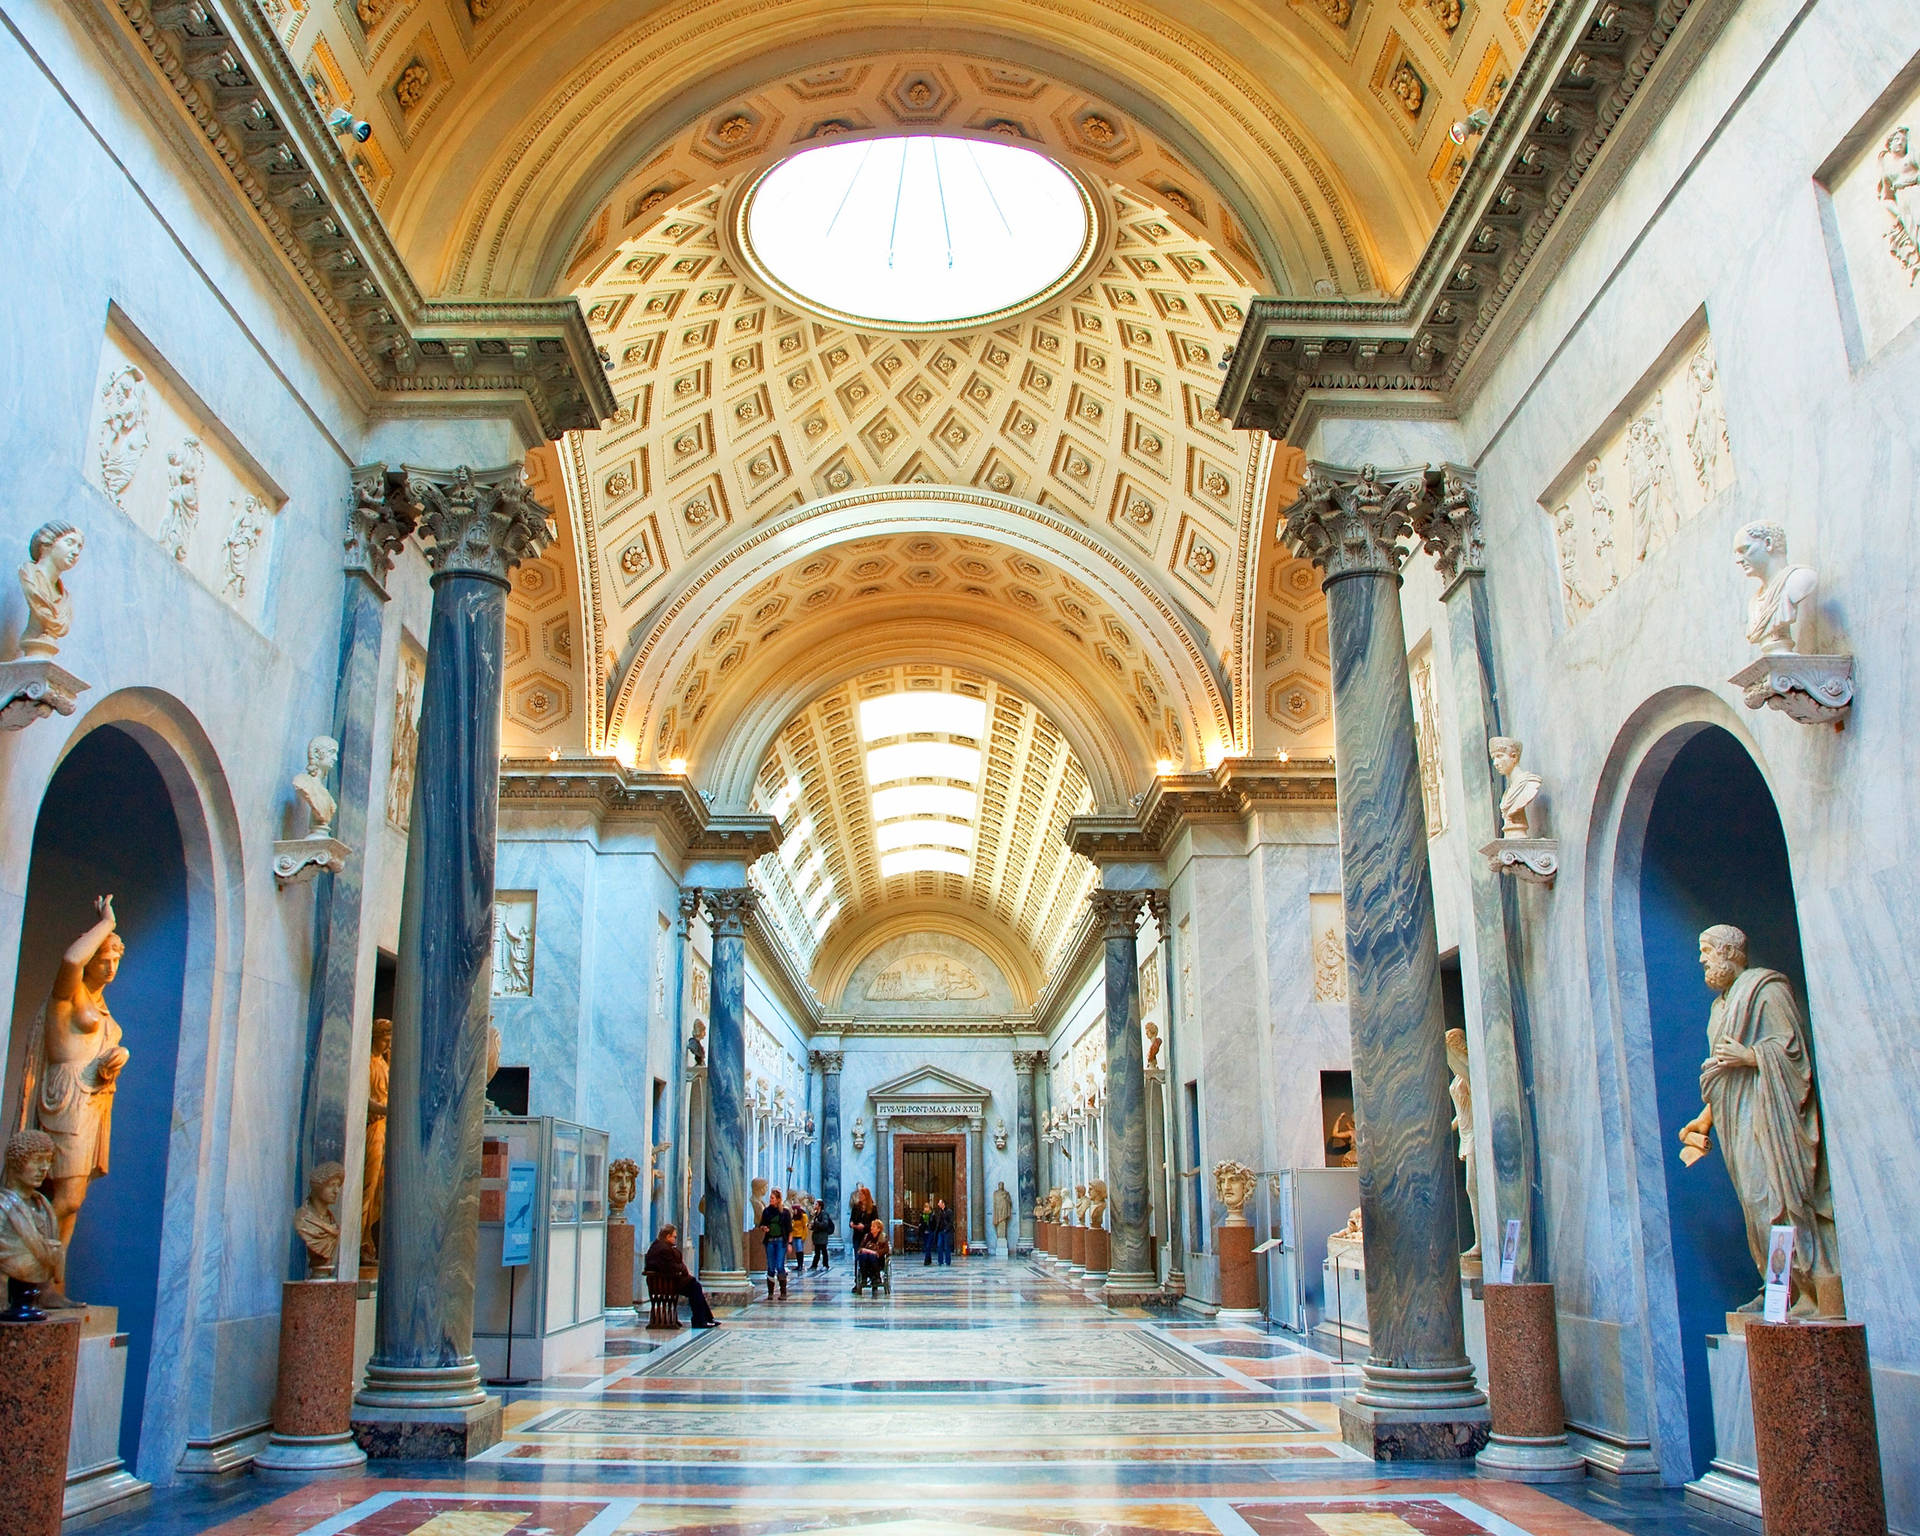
<point>1460,1090</point>
<point>1233,1185</point>
<point>623,1177</point>
<point>1517,851</point>
<point>1097,1203</point>
<point>30,1250</point>
<point>1002,1209</point>
<point>317,1222</point>
<point>1815,690</point>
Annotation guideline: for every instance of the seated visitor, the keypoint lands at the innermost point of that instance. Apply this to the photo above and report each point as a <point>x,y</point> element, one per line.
<point>667,1271</point>
<point>871,1261</point>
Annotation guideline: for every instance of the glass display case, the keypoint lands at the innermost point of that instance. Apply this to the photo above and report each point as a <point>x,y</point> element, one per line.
<point>558,1296</point>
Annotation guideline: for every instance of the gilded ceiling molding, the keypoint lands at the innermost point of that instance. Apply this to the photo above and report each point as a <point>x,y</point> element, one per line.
<point>215,78</point>
<point>1594,86</point>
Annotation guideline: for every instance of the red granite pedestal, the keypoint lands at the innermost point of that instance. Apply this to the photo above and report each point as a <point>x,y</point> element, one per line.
<point>1077,1247</point>
<point>1529,1441</point>
<point>1814,1434</point>
<point>39,1363</point>
<point>1042,1235</point>
<point>313,1403</point>
<point>1098,1246</point>
<point>620,1249</point>
<point>1239,1284</point>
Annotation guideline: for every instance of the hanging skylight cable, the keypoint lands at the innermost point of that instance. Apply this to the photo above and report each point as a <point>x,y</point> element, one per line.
<point>987,186</point>
<point>899,189</point>
<point>940,188</point>
<point>865,152</point>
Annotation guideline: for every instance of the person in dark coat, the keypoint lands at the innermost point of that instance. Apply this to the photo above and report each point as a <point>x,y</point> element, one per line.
<point>667,1271</point>
<point>776,1228</point>
<point>822,1230</point>
<point>863,1212</point>
<point>942,1232</point>
<point>871,1260</point>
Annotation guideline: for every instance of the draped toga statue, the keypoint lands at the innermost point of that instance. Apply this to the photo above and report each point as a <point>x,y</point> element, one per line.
<point>1757,1084</point>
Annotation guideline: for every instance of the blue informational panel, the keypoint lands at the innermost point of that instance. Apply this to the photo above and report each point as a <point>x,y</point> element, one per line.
<point>516,1236</point>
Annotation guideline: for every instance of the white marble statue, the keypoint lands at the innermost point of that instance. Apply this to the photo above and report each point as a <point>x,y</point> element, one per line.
<point>1523,786</point>
<point>317,1222</point>
<point>244,533</point>
<point>311,786</point>
<point>52,550</point>
<point>1652,497</point>
<point>1080,1204</point>
<point>1759,1096</point>
<point>1898,187</point>
<point>1097,1203</point>
<point>1760,549</point>
<point>1233,1185</point>
<point>123,431</point>
<point>1002,1209</point>
<point>1460,1090</point>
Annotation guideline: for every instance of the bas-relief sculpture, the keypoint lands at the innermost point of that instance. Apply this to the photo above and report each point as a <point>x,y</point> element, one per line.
<point>1460,1090</point>
<point>405,743</point>
<point>513,914</point>
<point>74,1061</point>
<point>925,978</point>
<point>185,461</point>
<point>1813,689</point>
<point>1233,1185</point>
<point>317,1221</point>
<point>1517,851</point>
<point>1897,186</point>
<point>123,436</point>
<point>373,1180</point>
<point>30,1247</point>
<point>623,1178</point>
<point>1759,1098</point>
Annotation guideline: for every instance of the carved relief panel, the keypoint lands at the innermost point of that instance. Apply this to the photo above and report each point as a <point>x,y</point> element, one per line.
<point>409,682</point>
<point>1874,230</point>
<point>513,924</point>
<point>164,460</point>
<point>1660,459</point>
<point>1426,725</point>
<point>1328,925</point>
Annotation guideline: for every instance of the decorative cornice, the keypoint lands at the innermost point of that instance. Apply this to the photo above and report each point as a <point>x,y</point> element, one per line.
<point>1236,789</point>
<point>613,795</point>
<point>219,66</point>
<point>477,523</point>
<point>1569,102</point>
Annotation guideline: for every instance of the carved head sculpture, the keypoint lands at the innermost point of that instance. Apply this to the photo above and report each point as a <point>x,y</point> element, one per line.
<point>322,753</point>
<point>29,1159</point>
<point>1758,548</point>
<point>105,964</point>
<point>760,1192</point>
<point>1457,1052</point>
<point>325,1183</point>
<point>1897,141</point>
<point>1505,752</point>
<point>383,1038</point>
<point>1723,955</point>
<point>623,1175</point>
<point>58,543</point>
<point>1233,1187</point>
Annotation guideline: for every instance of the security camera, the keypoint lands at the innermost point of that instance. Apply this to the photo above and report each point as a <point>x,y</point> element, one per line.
<point>345,124</point>
<point>1479,120</point>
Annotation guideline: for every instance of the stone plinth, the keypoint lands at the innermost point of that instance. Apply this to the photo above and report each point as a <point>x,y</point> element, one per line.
<point>97,1479</point>
<point>1815,690</point>
<point>1239,1282</point>
<point>1043,1237</point>
<point>620,1251</point>
<point>39,1363</point>
<point>1098,1246</point>
<point>755,1247</point>
<point>1529,1440</point>
<point>1814,1433</point>
<point>313,1402</point>
<point>427,1434</point>
<point>1077,1247</point>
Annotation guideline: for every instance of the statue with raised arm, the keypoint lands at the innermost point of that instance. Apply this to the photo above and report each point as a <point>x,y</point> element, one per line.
<point>1760,550</point>
<point>73,1066</point>
<point>1758,1090</point>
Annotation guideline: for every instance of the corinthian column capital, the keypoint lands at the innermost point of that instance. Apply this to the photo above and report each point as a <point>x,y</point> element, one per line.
<point>1445,509</point>
<point>478,523</point>
<point>729,908</point>
<point>380,515</point>
<point>828,1061</point>
<point>1350,523</point>
<point>1118,911</point>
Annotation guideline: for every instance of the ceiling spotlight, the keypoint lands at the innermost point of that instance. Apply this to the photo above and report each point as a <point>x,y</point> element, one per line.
<point>346,125</point>
<point>1478,121</point>
<point>1163,767</point>
<point>676,765</point>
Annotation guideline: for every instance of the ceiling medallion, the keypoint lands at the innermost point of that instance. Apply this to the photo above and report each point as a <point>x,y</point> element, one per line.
<point>917,233</point>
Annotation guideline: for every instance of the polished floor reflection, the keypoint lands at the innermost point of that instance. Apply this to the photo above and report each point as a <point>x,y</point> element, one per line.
<point>986,1399</point>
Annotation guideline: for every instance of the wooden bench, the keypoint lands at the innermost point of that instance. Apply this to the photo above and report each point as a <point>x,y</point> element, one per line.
<point>663,1307</point>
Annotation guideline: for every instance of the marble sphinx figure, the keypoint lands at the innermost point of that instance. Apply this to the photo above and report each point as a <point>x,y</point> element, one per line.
<point>29,1236</point>
<point>317,1221</point>
<point>1760,550</point>
<point>74,1060</point>
<point>1761,1104</point>
<point>52,551</point>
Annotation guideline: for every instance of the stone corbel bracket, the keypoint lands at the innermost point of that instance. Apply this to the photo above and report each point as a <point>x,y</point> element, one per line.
<point>33,687</point>
<point>1562,129</point>
<point>299,859</point>
<point>215,78</point>
<point>1815,690</point>
<point>1533,859</point>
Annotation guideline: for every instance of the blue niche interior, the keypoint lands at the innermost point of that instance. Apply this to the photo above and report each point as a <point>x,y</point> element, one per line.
<point>107,826</point>
<point>1714,853</point>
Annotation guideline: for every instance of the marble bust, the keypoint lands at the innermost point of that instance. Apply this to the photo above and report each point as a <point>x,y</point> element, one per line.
<point>1760,550</point>
<point>1233,1188</point>
<point>1759,1095</point>
<point>623,1178</point>
<point>1080,1203</point>
<point>1523,787</point>
<point>311,786</point>
<point>317,1221</point>
<point>29,1235</point>
<point>74,1060</point>
<point>52,550</point>
<point>1097,1203</point>
<point>1153,1045</point>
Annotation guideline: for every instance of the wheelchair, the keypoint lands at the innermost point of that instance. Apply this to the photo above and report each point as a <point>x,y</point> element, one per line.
<point>881,1282</point>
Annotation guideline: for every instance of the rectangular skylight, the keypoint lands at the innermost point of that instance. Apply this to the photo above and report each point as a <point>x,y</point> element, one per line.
<point>907,834</point>
<point>781,803</point>
<point>795,843</point>
<point>923,760</point>
<point>924,800</point>
<point>909,714</point>
<point>908,860</point>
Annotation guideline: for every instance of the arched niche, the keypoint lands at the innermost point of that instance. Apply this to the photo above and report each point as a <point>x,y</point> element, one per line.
<point>1699,842</point>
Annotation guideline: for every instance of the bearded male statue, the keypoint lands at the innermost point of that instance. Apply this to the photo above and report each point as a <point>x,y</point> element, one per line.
<point>1757,1084</point>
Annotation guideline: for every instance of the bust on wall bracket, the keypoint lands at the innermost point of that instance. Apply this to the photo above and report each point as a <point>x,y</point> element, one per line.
<point>1813,689</point>
<point>1516,851</point>
<point>297,859</point>
<point>34,685</point>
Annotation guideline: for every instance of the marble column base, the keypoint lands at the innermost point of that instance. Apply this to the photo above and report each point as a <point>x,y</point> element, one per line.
<point>1413,1434</point>
<point>1529,1440</point>
<point>1814,1432</point>
<point>1132,1290</point>
<point>620,1252</point>
<point>313,1403</point>
<point>39,1364</point>
<point>1239,1280</point>
<point>727,1287</point>
<point>427,1434</point>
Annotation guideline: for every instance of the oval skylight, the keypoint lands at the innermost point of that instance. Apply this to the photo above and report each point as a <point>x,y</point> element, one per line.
<point>917,232</point>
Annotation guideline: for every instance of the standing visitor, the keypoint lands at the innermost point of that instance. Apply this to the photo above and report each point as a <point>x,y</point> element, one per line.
<point>822,1228</point>
<point>942,1232</point>
<point>773,1234</point>
<point>864,1211</point>
<point>802,1224</point>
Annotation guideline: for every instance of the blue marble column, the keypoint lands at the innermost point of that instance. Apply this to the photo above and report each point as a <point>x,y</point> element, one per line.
<point>1447,517</point>
<point>683,1057</point>
<point>1160,904</point>
<point>1029,1070</point>
<point>423,1397</point>
<point>379,518</point>
<point>830,1063</point>
<point>722,1256</point>
<point>1130,1276</point>
<point>1417,1399</point>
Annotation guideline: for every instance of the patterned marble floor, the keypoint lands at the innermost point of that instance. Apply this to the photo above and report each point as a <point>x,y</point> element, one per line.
<point>981,1400</point>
